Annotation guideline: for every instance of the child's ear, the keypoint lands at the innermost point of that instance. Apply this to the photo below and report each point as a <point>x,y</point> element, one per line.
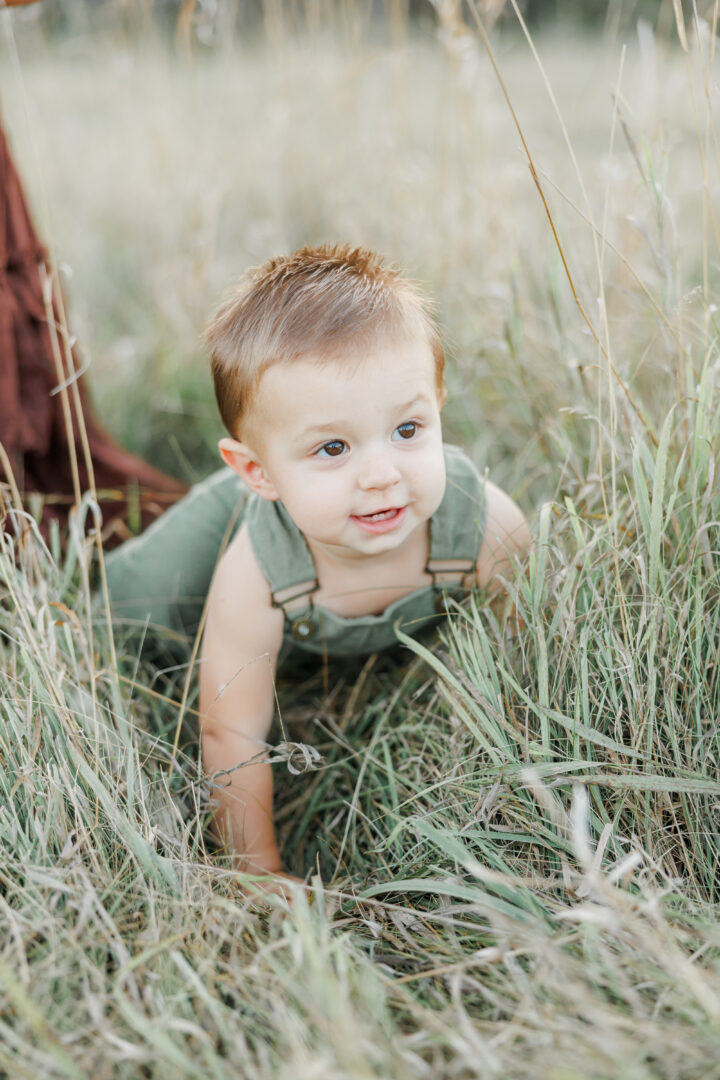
<point>248,466</point>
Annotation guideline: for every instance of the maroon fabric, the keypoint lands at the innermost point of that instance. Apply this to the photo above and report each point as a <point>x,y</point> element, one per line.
<point>32,425</point>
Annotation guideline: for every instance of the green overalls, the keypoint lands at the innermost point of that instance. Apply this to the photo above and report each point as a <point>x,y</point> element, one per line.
<point>162,578</point>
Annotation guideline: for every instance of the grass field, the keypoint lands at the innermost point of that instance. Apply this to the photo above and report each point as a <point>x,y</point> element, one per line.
<point>514,832</point>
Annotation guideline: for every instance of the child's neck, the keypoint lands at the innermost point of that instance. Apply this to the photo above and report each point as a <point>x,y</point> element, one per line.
<point>355,585</point>
<point>336,560</point>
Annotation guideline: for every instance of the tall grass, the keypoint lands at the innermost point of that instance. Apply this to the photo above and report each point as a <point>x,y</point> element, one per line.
<point>513,829</point>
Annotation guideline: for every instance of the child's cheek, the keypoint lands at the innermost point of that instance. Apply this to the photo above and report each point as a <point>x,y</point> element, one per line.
<point>331,492</point>
<point>432,479</point>
<point>317,499</point>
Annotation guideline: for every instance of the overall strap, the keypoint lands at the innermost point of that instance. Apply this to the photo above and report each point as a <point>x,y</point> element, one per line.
<point>458,525</point>
<point>285,561</point>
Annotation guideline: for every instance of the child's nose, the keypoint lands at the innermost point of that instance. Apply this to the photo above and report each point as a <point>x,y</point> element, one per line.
<point>378,473</point>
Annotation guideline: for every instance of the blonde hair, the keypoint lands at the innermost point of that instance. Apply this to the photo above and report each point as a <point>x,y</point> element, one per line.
<point>314,303</point>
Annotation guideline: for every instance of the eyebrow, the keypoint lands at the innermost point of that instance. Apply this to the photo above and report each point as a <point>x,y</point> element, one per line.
<point>332,428</point>
<point>417,400</point>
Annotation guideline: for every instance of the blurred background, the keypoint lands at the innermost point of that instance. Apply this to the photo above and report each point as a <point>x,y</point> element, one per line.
<point>167,145</point>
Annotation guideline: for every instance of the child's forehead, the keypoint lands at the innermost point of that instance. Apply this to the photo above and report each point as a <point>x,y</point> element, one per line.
<point>311,390</point>
<point>381,368</point>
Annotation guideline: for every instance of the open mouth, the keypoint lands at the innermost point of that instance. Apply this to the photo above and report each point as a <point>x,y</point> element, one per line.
<point>381,515</point>
<point>382,521</point>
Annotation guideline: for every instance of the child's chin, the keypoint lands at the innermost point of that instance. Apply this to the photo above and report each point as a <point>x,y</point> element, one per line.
<point>380,542</point>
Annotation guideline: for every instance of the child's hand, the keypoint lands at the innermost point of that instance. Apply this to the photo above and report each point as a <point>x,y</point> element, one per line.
<point>277,883</point>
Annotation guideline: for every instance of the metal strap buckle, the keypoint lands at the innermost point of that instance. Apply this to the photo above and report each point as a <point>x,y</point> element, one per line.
<point>457,569</point>
<point>301,591</point>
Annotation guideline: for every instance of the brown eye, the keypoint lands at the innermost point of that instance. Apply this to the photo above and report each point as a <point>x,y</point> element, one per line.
<point>406,431</point>
<point>332,449</point>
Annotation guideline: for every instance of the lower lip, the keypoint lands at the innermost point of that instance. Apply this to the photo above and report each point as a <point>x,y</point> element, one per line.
<point>383,525</point>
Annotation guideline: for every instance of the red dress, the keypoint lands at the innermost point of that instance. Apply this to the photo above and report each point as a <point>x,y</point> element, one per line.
<point>33,428</point>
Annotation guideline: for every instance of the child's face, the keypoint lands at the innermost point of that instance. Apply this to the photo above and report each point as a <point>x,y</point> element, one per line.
<point>354,451</point>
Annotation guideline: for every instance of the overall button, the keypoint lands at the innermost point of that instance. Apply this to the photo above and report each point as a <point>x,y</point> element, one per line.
<point>443,598</point>
<point>303,629</point>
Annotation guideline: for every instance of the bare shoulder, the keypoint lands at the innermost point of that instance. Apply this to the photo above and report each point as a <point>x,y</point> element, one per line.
<point>241,620</point>
<point>507,535</point>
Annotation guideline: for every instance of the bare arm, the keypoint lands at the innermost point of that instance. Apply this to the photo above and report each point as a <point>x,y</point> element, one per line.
<point>242,639</point>
<point>506,535</point>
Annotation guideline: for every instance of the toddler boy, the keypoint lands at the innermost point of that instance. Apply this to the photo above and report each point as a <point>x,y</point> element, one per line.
<point>329,378</point>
